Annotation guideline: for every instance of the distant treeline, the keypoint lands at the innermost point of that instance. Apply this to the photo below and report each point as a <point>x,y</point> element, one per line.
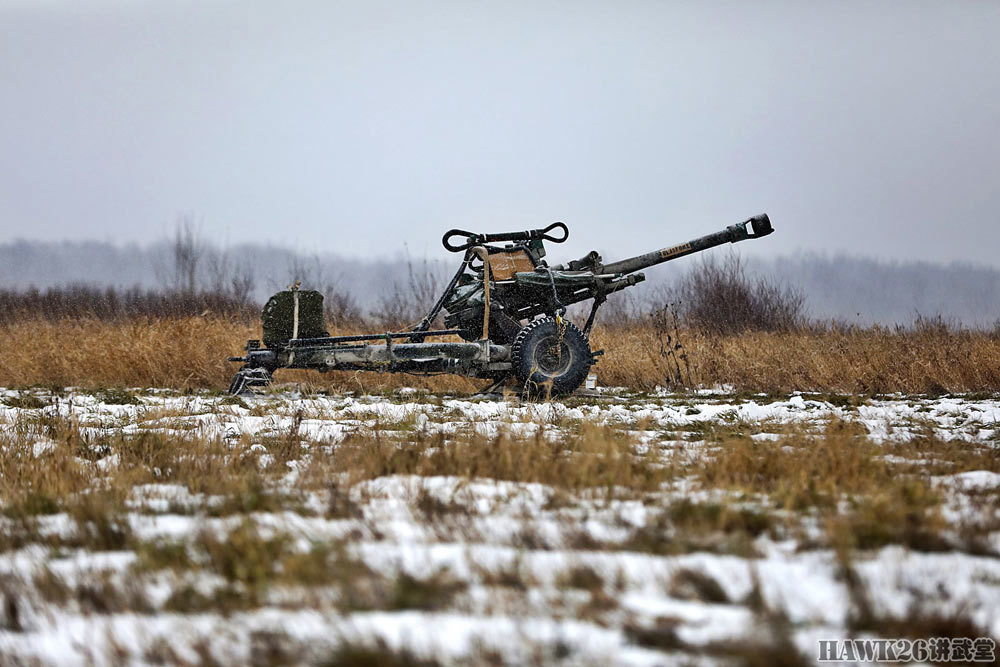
<point>111,303</point>
<point>864,290</point>
<point>716,297</point>
<point>849,289</point>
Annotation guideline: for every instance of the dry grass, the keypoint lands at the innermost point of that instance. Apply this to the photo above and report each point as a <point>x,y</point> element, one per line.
<point>596,458</point>
<point>800,471</point>
<point>839,478</point>
<point>845,479</point>
<point>182,353</point>
<point>188,353</point>
<point>62,478</point>
<point>179,353</point>
<point>870,361</point>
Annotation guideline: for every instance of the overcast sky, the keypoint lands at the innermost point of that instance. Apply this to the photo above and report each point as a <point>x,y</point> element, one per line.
<point>866,127</point>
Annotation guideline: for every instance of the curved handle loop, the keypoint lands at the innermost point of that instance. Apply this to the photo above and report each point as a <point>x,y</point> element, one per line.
<point>472,239</point>
<point>555,225</point>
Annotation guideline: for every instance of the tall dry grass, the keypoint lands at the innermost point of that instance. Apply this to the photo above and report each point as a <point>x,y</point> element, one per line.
<point>180,353</point>
<point>870,360</point>
<point>190,353</point>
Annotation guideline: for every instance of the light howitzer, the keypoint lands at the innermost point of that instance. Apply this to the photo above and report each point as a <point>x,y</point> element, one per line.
<point>505,301</point>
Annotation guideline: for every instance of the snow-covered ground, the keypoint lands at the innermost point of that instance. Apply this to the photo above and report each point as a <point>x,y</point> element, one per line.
<point>462,569</point>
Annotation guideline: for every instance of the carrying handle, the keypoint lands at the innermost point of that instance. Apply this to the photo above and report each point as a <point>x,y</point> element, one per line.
<point>473,239</point>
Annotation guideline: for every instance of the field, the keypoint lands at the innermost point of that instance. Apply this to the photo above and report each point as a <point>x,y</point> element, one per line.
<point>189,353</point>
<point>721,499</point>
<point>405,526</point>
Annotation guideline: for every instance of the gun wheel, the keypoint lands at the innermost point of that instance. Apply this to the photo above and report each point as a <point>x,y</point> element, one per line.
<point>550,358</point>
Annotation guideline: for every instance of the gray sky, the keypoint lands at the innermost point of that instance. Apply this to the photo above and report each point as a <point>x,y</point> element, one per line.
<point>866,127</point>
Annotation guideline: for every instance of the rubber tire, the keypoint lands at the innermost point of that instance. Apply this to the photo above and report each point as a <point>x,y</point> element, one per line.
<point>542,375</point>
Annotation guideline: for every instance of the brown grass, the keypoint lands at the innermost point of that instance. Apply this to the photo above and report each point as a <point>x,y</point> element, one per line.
<point>886,503</point>
<point>62,478</point>
<point>182,353</point>
<point>873,360</point>
<point>179,353</point>
<point>596,460</point>
<point>839,477</point>
<point>189,353</point>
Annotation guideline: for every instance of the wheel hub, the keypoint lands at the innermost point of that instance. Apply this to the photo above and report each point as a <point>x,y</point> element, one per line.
<point>553,356</point>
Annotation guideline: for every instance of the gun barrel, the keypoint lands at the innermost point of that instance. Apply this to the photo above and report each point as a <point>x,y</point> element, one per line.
<point>752,228</point>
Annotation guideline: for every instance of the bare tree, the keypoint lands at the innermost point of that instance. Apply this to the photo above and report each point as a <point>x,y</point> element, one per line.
<point>188,248</point>
<point>234,278</point>
<point>218,266</point>
<point>306,270</point>
<point>425,282</point>
<point>718,297</point>
<point>241,282</point>
<point>342,309</point>
<point>407,303</point>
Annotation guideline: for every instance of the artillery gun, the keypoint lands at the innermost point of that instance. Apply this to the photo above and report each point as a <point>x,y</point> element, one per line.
<point>505,303</point>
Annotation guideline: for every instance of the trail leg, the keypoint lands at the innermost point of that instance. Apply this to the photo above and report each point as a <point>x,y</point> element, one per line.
<point>492,389</point>
<point>246,378</point>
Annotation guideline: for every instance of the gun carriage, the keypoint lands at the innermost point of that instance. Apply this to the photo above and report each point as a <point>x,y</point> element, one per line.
<point>505,303</point>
